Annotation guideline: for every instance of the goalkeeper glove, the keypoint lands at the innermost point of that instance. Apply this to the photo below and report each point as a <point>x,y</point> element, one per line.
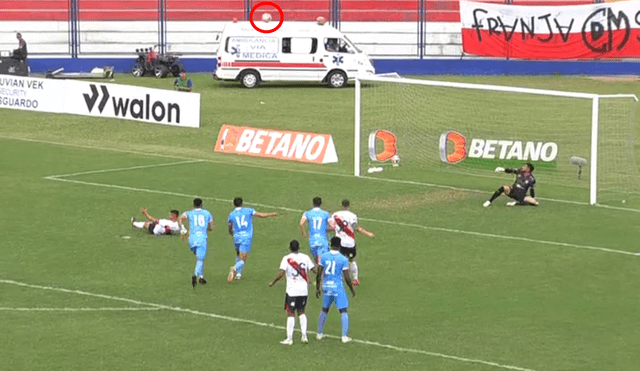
<point>499,169</point>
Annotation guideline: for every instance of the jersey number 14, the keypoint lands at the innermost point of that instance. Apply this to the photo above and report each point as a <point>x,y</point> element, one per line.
<point>242,222</point>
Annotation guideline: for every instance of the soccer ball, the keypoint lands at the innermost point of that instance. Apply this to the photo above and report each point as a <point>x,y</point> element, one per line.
<point>395,160</point>
<point>266,17</point>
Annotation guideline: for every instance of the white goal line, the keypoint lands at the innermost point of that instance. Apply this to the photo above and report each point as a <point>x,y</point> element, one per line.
<point>265,167</point>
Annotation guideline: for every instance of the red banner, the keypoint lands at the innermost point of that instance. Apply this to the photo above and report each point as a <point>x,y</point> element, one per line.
<point>599,31</point>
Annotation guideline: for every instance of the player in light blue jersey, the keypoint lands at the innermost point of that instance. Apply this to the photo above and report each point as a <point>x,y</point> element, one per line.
<point>240,223</point>
<point>200,222</point>
<point>332,268</point>
<point>318,221</point>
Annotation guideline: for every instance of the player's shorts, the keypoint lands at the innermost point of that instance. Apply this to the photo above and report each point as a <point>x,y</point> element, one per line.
<point>318,250</point>
<point>339,298</point>
<point>199,251</point>
<point>349,252</point>
<point>517,193</point>
<point>293,303</point>
<point>198,248</point>
<point>152,226</point>
<point>244,247</point>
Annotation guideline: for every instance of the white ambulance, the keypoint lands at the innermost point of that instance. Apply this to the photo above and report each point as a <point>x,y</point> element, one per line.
<point>297,51</point>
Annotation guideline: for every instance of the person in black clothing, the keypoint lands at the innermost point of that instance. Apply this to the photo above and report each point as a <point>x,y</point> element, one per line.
<point>525,181</point>
<point>21,52</point>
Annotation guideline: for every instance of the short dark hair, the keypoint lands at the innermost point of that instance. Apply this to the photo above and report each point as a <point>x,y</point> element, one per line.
<point>237,201</point>
<point>317,201</point>
<point>175,212</point>
<point>335,242</point>
<point>345,203</point>
<point>197,202</point>
<point>294,245</point>
<point>530,166</point>
<point>19,34</point>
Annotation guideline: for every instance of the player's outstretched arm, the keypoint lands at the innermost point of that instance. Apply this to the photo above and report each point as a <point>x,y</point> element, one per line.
<point>507,170</point>
<point>278,277</point>
<point>347,279</point>
<point>147,215</point>
<point>265,215</point>
<point>183,230</point>
<point>210,227</point>
<point>303,220</point>
<point>365,232</point>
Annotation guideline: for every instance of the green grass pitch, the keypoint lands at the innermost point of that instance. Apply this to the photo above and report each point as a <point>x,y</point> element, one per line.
<point>446,283</point>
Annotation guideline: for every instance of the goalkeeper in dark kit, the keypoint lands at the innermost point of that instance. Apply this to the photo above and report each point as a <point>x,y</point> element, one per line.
<point>525,181</point>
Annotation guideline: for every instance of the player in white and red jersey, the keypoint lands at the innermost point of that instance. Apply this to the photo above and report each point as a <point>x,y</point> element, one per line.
<point>345,223</point>
<point>295,267</point>
<point>158,227</point>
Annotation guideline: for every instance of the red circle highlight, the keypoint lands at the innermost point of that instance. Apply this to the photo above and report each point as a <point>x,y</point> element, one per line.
<point>262,4</point>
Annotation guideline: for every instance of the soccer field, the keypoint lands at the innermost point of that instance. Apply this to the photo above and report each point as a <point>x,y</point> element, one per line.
<point>445,285</point>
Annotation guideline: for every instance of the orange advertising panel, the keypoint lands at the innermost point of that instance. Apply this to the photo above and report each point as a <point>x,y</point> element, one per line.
<point>283,145</point>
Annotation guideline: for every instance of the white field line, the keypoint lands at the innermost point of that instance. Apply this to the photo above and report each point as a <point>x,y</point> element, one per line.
<point>299,171</point>
<point>103,309</point>
<point>124,169</point>
<point>261,324</point>
<point>439,229</point>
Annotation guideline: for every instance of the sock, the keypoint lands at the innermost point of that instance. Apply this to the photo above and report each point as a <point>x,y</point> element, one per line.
<point>303,324</point>
<point>138,224</point>
<point>496,194</point>
<point>354,270</point>
<point>291,324</point>
<point>344,319</point>
<point>199,265</point>
<point>321,321</point>
<point>237,259</point>
<point>238,267</point>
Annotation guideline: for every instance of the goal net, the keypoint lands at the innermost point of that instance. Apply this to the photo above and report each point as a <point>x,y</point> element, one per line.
<point>456,134</point>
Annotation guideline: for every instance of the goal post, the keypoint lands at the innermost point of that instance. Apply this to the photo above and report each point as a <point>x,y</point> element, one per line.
<point>451,131</point>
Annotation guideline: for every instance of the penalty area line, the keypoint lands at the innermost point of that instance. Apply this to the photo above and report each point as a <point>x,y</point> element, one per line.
<point>123,169</point>
<point>261,324</point>
<point>438,229</point>
<point>302,171</point>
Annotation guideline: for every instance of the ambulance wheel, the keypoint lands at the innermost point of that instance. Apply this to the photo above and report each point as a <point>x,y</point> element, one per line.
<point>250,79</point>
<point>337,79</point>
